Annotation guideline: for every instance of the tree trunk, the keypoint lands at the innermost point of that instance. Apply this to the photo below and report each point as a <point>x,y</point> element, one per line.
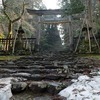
<point>10,30</point>
<point>90,13</point>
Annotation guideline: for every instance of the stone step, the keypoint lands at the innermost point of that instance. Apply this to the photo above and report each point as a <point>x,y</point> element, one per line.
<point>31,71</point>
<point>31,63</point>
<point>36,77</point>
<point>9,66</point>
<point>55,76</point>
<point>34,62</point>
<point>50,87</point>
<point>66,63</point>
<point>31,67</point>
<point>43,63</point>
<point>47,87</point>
<point>53,67</point>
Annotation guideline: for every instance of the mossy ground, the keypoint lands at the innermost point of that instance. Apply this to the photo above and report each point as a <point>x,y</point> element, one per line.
<point>95,56</point>
<point>9,57</point>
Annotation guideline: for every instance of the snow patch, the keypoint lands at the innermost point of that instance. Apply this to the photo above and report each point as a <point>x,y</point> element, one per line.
<point>85,88</point>
<point>5,89</point>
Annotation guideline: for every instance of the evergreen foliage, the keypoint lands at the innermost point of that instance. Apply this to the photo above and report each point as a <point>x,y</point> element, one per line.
<point>51,40</point>
<point>73,7</point>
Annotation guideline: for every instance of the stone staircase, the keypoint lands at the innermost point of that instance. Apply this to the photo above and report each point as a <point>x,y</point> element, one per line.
<point>43,72</point>
<point>47,67</point>
<point>35,69</point>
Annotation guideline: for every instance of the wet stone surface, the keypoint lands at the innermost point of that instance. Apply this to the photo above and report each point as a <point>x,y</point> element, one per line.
<point>18,87</point>
<point>28,95</point>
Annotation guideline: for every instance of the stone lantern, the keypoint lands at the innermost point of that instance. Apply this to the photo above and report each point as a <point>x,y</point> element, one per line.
<point>19,42</point>
<point>20,32</point>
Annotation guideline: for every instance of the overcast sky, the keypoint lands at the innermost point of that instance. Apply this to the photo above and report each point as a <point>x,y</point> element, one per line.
<point>51,4</point>
<point>0,1</point>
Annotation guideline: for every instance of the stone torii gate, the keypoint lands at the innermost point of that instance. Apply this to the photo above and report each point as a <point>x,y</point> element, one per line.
<point>39,13</point>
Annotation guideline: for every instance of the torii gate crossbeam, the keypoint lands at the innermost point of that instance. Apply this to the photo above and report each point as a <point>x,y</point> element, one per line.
<point>46,12</point>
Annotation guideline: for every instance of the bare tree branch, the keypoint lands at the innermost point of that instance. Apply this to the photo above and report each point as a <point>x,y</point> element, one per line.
<point>4,11</point>
<point>23,9</point>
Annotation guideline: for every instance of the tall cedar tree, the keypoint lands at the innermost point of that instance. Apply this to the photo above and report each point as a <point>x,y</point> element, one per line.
<point>51,40</point>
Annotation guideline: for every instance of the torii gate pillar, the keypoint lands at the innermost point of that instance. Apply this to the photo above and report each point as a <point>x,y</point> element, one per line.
<point>70,35</point>
<point>37,45</point>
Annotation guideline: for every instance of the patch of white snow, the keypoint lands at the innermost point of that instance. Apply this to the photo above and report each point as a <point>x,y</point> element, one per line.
<point>5,89</point>
<point>85,88</point>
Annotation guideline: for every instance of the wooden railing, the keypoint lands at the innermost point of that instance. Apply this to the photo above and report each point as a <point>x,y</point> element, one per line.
<point>9,42</point>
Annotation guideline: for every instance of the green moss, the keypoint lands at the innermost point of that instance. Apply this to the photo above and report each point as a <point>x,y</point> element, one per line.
<point>90,56</point>
<point>9,57</point>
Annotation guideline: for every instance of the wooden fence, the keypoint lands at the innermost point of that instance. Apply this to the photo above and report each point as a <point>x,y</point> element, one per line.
<point>9,42</point>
